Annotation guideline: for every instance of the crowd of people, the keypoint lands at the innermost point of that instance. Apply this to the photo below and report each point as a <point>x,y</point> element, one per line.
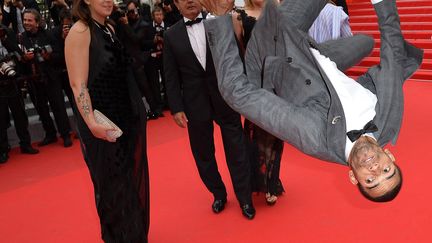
<point>124,64</point>
<point>32,63</point>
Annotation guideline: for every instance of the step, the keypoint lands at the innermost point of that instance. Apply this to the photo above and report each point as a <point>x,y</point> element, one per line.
<point>420,74</point>
<point>401,10</point>
<point>404,25</point>
<point>399,3</point>
<point>408,34</point>
<point>424,44</point>
<point>370,61</point>
<point>427,53</point>
<point>403,18</point>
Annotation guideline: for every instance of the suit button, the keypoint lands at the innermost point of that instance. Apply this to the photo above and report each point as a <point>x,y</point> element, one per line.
<point>289,59</point>
<point>336,119</point>
<point>308,82</point>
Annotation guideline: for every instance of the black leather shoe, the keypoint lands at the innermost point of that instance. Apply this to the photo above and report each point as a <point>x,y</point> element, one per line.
<point>218,205</point>
<point>47,140</point>
<point>151,115</point>
<point>67,142</point>
<point>28,149</point>
<point>4,157</point>
<point>248,211</point>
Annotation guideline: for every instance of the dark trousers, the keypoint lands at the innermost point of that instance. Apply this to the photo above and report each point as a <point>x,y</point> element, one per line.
<point>142,81</point>
<point>16,106</point>
<point>49,94</point>
<point>203,149</point>
<point>152,68</point>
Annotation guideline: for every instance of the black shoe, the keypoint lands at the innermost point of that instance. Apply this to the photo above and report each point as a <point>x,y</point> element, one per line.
<point>4,157</point>
<point>158,114</point>
<point>151,116</point>
<point>67,142</point>
<point>218,205</point>
<point>47,140</point>
<point>248,211</point>
<point>28,149</point>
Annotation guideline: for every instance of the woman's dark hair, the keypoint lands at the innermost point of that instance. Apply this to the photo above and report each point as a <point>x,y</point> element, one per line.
<point>81,11</point>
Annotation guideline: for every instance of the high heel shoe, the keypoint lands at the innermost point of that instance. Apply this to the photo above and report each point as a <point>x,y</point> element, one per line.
<point>270,199</point>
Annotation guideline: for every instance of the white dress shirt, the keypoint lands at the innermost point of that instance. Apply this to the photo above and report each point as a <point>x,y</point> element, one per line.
<point>358,102</point>
<point>332,23</point>
<point>197,40</point>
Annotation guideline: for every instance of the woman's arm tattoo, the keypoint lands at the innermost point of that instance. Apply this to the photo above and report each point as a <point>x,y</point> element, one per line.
<point>83,100</point>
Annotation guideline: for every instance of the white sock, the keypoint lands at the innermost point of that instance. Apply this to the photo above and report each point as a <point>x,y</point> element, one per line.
<point>375,1</point>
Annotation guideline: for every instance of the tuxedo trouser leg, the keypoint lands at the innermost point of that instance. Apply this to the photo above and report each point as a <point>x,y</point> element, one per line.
<point>203,149</point>
<point>143,85</point>
<point>19,115</point>
<point>40,101</point>
<point>153,80</point>
<point>3,125</point>
<point>234,141</point>
<point>58,107</point>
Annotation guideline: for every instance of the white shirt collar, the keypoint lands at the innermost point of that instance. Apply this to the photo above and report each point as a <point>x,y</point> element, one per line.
<point>199,16</point>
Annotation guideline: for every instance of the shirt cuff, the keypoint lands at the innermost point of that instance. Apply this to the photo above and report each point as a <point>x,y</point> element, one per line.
<point>376,1</point>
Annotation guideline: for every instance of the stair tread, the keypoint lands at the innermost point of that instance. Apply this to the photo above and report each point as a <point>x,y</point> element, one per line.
<point>367,4</point>
<point>401,15</point>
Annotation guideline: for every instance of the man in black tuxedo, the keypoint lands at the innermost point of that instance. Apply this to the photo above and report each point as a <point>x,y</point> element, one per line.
<point>195,102</point>
<point>13,11</point>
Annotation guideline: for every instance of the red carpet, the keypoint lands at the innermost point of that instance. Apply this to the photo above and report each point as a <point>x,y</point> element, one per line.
<point>48,198</point>
<point>416,24</point>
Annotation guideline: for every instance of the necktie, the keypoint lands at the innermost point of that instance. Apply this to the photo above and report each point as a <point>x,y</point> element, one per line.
<point>192,22</point>
<point>370,127</point>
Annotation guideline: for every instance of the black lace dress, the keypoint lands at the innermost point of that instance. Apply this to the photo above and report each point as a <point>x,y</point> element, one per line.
<point>119,170</point>
<point>265,149</point>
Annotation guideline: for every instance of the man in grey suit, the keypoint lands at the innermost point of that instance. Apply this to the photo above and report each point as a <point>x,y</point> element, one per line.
<point>294,88</point>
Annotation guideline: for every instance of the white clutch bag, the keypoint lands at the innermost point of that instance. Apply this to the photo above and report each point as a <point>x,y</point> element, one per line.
<point>102,119</point>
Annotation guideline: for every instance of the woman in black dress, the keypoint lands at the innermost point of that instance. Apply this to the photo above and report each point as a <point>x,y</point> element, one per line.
<point>100,79</point>
<point>265,149</point>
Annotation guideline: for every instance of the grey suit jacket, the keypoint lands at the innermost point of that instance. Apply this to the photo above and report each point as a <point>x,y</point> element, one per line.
<point>297,102</point>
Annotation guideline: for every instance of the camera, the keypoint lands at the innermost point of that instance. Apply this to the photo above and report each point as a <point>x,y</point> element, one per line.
<point>37,50</point>
<point>7,64</point>
<point>7,68</point>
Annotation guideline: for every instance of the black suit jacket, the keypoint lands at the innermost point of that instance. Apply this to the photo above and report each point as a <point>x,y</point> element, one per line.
<point>189,87</point>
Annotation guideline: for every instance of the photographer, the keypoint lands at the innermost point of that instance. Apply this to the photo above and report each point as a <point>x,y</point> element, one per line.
<point>154,67</point>
<point>43,79</point>
<point>10,96</point>
<point>134,32</point>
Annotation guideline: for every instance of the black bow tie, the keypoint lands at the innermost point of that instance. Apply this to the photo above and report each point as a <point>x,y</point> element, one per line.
<point>370,127</point>
<point>192,22</point>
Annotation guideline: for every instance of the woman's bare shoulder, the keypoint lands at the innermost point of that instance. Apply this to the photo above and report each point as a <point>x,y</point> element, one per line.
<point>80,28</point>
